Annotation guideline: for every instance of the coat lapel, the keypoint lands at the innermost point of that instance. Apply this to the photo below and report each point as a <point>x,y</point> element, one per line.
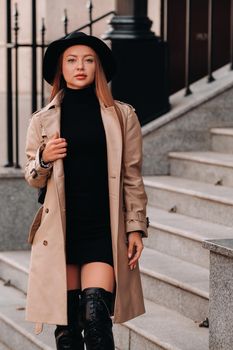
<point>51,125</point>
<point>114,143</point>
<point>114,155</point>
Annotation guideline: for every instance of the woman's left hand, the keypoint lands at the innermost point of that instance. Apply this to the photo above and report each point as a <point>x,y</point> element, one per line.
<point>135,247</point>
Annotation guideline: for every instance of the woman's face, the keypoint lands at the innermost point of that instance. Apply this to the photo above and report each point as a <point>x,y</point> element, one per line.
<point>78,66</point>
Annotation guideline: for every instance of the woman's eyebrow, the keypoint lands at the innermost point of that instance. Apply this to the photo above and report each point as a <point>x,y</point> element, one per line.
<point>73,55</point>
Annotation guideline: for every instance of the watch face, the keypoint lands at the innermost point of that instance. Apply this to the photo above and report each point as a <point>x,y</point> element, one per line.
<point>44,165</point>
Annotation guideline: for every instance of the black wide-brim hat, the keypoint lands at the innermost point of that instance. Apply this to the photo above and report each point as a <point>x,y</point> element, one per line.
<point>57,47</point>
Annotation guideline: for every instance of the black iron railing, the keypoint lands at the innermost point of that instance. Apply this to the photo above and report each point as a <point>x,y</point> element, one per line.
<point>231,37</point>
<point>210,42</point>
<point>187,48</point>
<point>13,47</point>
<point>9,105</point>
<point>16,29</point>
<point>210,35</point>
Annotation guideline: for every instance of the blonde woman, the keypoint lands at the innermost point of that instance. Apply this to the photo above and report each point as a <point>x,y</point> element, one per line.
<point>85,150</point>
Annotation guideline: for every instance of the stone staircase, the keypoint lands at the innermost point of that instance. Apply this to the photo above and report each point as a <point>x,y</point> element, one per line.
<point>3,347</point>
<point>194,203</point>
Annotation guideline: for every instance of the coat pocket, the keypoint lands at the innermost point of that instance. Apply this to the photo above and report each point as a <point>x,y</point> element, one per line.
<point>35,225</point>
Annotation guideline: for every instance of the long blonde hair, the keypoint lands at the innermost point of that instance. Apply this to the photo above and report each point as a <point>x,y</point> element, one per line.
<point>102,90</point>
<point>104,93</point>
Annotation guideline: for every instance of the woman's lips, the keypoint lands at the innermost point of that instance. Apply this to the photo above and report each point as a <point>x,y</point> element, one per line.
<point>80,77</point>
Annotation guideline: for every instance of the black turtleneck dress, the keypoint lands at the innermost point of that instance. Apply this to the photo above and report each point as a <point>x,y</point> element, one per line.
<point>88,232</point>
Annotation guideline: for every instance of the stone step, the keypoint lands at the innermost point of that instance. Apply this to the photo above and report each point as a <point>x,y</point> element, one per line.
<point>222,140</point>
<point>182,236</point>
<point>176,284</point>
<point>4,347</point>
<point>157,269</point>
<point>211,167</point>
<point>14,268</point>
<point>14,330</point>
<point>160,329</point>
<point>192,198</point>
<point>151,330</point>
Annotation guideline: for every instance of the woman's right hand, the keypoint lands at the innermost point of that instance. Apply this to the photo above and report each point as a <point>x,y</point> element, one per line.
<point>55,148</point>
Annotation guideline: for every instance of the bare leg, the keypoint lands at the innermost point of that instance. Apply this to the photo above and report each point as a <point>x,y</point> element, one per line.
<point>98,274</point>
<point>73,277</point>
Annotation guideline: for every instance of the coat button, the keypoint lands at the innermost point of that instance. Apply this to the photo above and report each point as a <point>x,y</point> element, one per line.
<point>34,173</point>
<point>45,242</point>
<point>47,210</point>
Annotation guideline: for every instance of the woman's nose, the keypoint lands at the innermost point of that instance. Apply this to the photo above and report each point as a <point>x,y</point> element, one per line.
<point>79,64</point>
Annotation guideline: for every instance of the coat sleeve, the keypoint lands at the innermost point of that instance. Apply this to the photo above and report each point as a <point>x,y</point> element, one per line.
<point>135,198</point>
<point>35,174</point>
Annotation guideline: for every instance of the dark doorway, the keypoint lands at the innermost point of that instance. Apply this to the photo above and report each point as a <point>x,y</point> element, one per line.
<point>199,39</point>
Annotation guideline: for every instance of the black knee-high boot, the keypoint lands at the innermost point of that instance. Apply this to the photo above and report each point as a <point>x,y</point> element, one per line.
<point>70,337</point>
<point>96,320</point>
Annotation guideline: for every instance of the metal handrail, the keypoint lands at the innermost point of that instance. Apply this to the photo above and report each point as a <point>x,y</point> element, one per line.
<point>97,20</point>
<point>13,45</point>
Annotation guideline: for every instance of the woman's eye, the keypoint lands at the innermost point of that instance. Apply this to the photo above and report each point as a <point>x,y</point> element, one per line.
<point>89,60</point>
<point>71,60</point>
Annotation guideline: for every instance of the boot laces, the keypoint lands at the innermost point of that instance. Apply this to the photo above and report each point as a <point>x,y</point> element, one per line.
<point>95,338</point>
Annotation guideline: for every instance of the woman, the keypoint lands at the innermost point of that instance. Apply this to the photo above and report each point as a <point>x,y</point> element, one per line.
<point>86,239</point>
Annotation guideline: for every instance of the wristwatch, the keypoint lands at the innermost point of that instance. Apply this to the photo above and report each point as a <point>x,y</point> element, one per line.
<point>43,164</point>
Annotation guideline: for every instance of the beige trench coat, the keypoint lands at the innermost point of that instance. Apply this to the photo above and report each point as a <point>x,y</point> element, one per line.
<point>47,288</point>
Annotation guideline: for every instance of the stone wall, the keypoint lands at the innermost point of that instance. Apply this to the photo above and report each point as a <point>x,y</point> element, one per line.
<point>220,293</point>
<point>186,127</point>
<point>18,204</point>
